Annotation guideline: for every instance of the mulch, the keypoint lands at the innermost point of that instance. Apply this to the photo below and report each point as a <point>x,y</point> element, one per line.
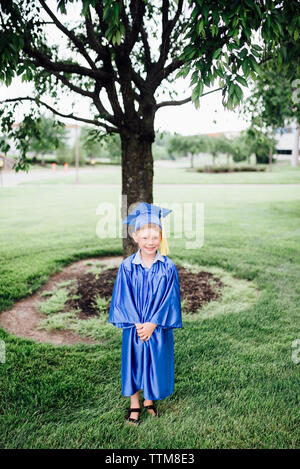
<point>195,288</point>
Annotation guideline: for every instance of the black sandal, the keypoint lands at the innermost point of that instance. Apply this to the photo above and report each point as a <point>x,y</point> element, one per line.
<point>130,419</point>
<point>152,407</point>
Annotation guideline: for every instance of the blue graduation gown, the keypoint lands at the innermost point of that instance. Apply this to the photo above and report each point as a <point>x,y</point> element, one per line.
<point>147,295</point>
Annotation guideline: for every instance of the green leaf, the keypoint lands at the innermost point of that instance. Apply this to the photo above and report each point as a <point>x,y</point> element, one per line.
<point>200,87</point>
<point>217,53</point>
<point>243,53</point>
<point>195,77</point>
<point>231,90</point>
<point>254,64</point>
<point>241,80</point>
<point>118,37</point>
<point>200,27</point>
<point>257,54</point>
<point>197,103</point>
<point>214,29</point>
<point>195,94</point>
<point>62,7</point>
<point>246,67</point>
<point>238,92</point>
<point>183,72</point>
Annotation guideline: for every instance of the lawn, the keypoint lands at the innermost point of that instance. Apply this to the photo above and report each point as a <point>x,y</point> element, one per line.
<point>281,174</point>
<point>236,385</point>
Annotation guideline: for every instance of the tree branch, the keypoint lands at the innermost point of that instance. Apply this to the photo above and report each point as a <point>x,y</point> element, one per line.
<point>104,54</point>
<point>94,95</point>
<point>45,62</point>
<point>182,101</point>
<point>72,87</point>
<point>148,62</point>
<point>102,111</point>
<point>177,63</point>
<point>99,9</point>
<point>108,128</point>
<point>167,28</point>
<point>137,9</point>
<point>80,46</point>
<point>94,43</point>
<point>176,16</point>
<point>123,62</point>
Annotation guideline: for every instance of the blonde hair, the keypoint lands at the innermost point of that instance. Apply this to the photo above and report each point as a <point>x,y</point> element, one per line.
<point>151,225</point>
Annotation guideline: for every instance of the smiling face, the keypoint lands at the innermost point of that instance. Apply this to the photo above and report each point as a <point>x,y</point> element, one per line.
<point>148,238</point>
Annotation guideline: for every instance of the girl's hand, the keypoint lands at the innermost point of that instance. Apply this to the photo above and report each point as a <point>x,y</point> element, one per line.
<point>145,330</point>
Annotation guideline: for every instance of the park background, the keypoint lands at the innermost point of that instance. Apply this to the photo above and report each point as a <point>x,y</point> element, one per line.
<point>236,358</point>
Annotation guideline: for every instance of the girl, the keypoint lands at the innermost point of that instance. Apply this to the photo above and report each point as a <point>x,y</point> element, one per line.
<point>146,305</point>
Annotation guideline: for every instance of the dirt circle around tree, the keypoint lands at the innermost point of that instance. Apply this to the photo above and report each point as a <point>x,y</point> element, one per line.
<point>83,291</point>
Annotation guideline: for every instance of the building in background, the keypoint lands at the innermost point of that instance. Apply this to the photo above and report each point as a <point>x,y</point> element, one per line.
<point>285,136</point>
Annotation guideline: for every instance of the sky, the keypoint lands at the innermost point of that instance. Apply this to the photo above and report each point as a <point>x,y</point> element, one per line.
<point>210,117</point>
<point>185,119</point>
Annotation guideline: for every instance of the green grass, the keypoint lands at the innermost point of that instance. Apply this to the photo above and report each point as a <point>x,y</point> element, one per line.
<point>55,303</point>
<point>237,295</point>
<point>281,173</point>
<point>236,385</point>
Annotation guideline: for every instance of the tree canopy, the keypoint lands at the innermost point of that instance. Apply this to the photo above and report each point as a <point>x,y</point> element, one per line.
<point>127,49</point>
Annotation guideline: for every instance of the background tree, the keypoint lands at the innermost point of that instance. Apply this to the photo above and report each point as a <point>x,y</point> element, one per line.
<point>178,145</point>
<point>215,147</point>
<point>113,146</point>
<point>91,147</point>
<point>65,153</point>
<point>241,149</point>
<point>260,143</point>
<point>160,146</point>
<point>188,145</point>
<point>226,147</point>
<point>110,53</point>
<point>109,146</point>
<point>51,134</point>
<point>272,103</point>
<point>197,144</point>
<point>203,143</point>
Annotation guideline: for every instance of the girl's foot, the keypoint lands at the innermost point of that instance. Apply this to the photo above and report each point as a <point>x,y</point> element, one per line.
<point>150,408</point>
<point>133,415</point>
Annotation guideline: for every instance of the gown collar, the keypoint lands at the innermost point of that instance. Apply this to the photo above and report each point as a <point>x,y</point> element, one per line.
<point>138,259</point>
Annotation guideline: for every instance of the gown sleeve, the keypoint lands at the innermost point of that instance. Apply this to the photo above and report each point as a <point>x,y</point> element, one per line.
<point>167,313</point>
<point>123,312</point>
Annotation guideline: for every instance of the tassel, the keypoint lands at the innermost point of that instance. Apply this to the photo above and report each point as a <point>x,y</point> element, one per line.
<point>164,248</point>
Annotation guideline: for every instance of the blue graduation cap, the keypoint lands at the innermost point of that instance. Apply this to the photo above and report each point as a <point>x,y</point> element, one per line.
<point>147,213</point>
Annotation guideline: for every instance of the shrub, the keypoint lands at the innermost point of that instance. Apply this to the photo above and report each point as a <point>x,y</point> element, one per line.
<point>228,169</point>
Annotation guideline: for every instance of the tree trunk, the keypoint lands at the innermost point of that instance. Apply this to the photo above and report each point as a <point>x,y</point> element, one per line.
<point>270,158</point>
<point>295,153</point>
<point>192,160</point>
<point>137,178</point>
<point>270,150</point>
